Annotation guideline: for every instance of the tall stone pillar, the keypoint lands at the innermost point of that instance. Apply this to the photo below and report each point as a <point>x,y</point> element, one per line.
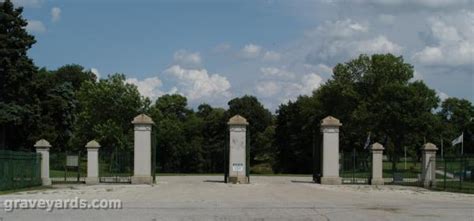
<point>92,162</point>
<point>42,147</point>
<point>142,150</point>
<point>330,151</point>
<point>237,150</point>
<point>377,164</point>
<point>428,173</point>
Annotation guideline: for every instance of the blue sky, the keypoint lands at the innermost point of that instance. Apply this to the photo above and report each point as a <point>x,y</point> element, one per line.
<point>212,51</point>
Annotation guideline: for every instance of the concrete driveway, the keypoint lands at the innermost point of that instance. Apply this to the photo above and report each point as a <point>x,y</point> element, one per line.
<point>266,198</point>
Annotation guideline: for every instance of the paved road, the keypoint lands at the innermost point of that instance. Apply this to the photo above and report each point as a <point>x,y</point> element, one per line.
<point>267,198</point>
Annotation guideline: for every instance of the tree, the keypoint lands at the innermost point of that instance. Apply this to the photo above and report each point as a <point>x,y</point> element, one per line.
<point>19,107</point>
<point>368,94</point>
<point>457,116</point>
<point>106,110</point>
<point>74,74</point>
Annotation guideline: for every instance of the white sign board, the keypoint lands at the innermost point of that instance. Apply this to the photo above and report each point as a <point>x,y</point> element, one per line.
<point>238,167</point>
<point>72,161</point>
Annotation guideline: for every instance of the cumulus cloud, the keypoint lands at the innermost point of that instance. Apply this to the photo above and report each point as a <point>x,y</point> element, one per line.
<point>344,39</point>
<point>251,51</point>
<point>35,26</point>
<point>148,87</point>
<point>454,41</point>
<point>283,91</point>
<point>276,72</point>
<point>183,57</point>
<point>338,29</point>
<point>199,84</point>
<point>271,56</point>
<point>55,14</point>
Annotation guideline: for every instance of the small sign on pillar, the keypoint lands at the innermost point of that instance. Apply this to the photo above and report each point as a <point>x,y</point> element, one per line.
<point>238,147</point>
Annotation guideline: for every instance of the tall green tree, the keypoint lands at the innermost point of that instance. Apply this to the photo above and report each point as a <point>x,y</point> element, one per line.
<point>457,116</point>
<point>19,108</point>
<point>106,110</point>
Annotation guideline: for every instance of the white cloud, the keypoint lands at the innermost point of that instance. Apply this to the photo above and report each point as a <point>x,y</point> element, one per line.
<point>96,72</point>
<point>379,44</point>
<point>309,83</point>
<point>268,88</point>
<point>184,57</point>
<point>251,51</point>
<point>282,91</point>
<point>338,29</point>
<point>454,41</point>
<point>148,87</point>
<point>271,56</point>
<point>276,72</point>
<point>199,84</point>
<point>35,26</point>
<point>442,96</point>
<point>55,14</point>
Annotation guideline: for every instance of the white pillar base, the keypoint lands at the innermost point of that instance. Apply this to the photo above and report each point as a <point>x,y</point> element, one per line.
<point>142,180</point>
<point>331,180</point>
<point>377,181</point>
<point>239,179</point>
<point>46,181</point>
<point>92,180</point>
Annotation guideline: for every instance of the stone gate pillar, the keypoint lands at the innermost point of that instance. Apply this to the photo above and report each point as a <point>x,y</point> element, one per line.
<point>142,150</point>
<point>92,162</point>
<point>377,164</point>
<point>330,151</point>
<point>42,147</point>
<point>428,173</point>
<point>237,149</point>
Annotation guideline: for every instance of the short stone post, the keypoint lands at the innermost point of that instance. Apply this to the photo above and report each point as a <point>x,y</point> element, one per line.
<point>92,162</point>
<point>428,173</point>
<point>330,151</point>
<point>42,147</point>
<point>377,164</point>
<point>142,150</point>
<point>237,149</point>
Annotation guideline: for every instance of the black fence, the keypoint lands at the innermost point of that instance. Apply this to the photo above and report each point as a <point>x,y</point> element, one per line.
<point>455,174</point>
<point>356,167</point>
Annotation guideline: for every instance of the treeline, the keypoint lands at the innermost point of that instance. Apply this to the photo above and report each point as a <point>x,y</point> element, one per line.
<point>371,94</point>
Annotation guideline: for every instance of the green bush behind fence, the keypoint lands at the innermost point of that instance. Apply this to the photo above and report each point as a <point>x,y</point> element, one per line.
<point>19,169</point>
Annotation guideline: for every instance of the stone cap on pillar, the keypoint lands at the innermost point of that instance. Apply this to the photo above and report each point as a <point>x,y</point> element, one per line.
<point>42,144</point>
<point>92,145</point>
<point>376,146</point>
<point>142,119</point>
<point>429,147</point>
<point>330,121</point>
<point>237,120</point>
